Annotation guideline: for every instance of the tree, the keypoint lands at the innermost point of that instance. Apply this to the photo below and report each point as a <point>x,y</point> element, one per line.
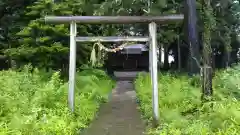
<point>227,21</point>
<point>10,14</point>
<point>46,45</point>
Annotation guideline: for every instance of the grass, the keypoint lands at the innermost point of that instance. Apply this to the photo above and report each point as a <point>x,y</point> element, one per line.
<point>35,103</point>
<point>181,110</point>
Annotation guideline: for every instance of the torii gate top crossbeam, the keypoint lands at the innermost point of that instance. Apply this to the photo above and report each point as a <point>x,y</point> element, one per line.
<point>115,19</point>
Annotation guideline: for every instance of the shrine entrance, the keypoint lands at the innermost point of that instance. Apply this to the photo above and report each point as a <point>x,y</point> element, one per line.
<point>151,40</point>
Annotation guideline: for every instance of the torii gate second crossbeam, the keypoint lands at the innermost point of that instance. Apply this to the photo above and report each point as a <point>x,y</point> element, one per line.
<point>152,39</point>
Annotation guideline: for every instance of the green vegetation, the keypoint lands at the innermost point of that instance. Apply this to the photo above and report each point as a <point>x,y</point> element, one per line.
<point>26,38</point>
<point>181,109</point>
<point>35,102</point>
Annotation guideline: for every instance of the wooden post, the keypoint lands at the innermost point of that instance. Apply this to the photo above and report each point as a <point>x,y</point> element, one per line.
<point>154,76</point>
<point>72,65</point>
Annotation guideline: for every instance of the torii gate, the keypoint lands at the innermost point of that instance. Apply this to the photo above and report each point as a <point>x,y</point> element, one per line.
<point>152,39</point>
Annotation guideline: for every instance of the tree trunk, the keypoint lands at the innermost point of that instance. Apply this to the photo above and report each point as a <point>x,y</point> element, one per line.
<point>207,52</point>
<point>207,81</point>
<point>166,64</point>
<point>226,57</point>
<point>192,37</point>
<point>160,57</point>
<point>178,56</point>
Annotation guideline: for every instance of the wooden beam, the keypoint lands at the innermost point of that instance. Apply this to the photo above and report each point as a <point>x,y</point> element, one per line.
<point>114,19</point>
<point>112,39</point>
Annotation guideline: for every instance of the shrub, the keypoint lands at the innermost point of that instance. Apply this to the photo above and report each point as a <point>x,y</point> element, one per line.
<point>181,110</point>
<point>32,104</point>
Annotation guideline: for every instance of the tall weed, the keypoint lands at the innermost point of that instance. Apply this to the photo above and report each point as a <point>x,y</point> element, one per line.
<point>30,104</point>
<point>181,110</point>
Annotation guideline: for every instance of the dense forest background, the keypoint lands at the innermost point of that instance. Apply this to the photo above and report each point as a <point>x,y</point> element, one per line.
<point>26,38</point>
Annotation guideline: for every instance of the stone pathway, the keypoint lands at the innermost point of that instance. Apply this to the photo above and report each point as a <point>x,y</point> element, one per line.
<point>120,115</point>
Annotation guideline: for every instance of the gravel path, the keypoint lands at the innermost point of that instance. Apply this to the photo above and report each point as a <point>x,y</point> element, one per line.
<point>120,115</point>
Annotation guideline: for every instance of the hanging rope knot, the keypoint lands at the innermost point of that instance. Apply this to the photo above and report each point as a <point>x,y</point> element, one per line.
<point>101,47</point>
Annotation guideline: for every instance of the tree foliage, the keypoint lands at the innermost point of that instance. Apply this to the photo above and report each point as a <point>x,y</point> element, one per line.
<point>26,38</point>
